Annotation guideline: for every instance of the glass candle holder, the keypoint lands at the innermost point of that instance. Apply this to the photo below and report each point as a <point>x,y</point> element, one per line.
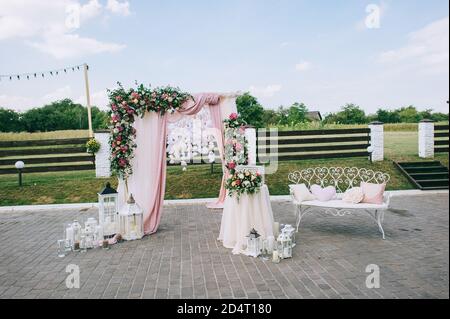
<point>61,248</point>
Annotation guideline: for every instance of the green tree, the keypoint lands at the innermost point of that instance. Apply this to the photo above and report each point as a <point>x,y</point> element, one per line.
<point>10,121</point>
<point>250,110</point>
<point>270,118</point>
<point>349,114</point>
<point>409,115</point>
<point>297,114</point>
<point>388,116</point>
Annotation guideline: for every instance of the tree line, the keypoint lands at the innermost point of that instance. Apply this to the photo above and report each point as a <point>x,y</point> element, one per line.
<point>59,115</point>
<point>67,115</point>
<point>255,114</point>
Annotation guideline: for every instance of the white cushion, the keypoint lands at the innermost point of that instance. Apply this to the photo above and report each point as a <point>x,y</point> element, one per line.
<point>301,193</point>
<point>338,203</point>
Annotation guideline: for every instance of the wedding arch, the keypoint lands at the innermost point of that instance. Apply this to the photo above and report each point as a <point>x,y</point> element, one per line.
<point>139,128</point>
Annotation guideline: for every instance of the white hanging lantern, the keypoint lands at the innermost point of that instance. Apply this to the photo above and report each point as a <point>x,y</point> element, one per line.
<point>108,208</point>
<point>131,218</point>
<point>284,246</point>
<point>254,244</point>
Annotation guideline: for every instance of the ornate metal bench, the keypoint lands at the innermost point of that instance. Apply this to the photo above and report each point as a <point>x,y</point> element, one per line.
<point>343,178</point>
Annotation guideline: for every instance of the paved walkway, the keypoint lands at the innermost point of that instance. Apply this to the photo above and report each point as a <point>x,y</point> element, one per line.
<point>184,260</point>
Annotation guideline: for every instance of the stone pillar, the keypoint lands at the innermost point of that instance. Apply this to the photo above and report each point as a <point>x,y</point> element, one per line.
<point>377,141</point>
<point>426,139</point>
<point>250,135</point>
<point>102,160</point>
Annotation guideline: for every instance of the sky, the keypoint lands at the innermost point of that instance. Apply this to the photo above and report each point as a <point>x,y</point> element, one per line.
<point>377,54</point>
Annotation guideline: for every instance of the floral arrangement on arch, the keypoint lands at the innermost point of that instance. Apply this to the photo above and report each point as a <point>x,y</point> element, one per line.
<point>243,182</point>
<point>236,150</point>
<point>125,105</point>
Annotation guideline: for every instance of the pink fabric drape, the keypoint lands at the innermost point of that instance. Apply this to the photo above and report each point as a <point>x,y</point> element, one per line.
<point>148,182</point>
<point>217,122</point>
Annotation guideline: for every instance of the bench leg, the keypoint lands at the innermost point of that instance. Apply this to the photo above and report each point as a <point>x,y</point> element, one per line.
<point>380,218</point>
<point>299,216</point>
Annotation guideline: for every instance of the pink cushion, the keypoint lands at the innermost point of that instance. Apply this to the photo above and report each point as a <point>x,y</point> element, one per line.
<point>373,193</point>
<point>354,195</point>
<point>323,194</point>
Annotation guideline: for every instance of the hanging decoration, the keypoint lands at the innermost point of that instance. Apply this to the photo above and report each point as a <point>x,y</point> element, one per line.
<point>35,75</point>
<point>191,139</point>
<point>125,105</point>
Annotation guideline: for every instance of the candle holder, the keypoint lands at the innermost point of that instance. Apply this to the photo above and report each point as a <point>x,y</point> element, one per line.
<point>61,248</point>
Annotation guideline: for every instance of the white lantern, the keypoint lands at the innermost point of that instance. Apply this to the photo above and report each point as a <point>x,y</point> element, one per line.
<point>131,218</point>
<point>108,209</point>
<point>253,244</point>
<point>284,246</point>
<point>290,231</point>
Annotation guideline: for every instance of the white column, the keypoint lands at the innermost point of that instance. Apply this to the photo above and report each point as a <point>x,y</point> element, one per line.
<point>426,139</point>
<point>377,141</point>
<point>250,135</point>
<point>102,160</point>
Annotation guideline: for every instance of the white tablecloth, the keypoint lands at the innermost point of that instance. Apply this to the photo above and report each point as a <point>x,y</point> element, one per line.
<point>239,217</point>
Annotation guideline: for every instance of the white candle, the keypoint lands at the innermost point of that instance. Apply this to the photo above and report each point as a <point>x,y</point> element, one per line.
<point>276,229</point>
<point>275,257</point>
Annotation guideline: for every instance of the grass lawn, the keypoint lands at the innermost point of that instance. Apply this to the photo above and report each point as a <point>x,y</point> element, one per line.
<point>197,181</point>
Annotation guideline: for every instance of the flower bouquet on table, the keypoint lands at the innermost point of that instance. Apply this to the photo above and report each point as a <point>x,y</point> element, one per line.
<point>243,182</point>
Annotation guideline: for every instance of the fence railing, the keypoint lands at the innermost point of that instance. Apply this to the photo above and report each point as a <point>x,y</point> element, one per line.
<point>314,144</point>
<point>45,155</point>
<point>441,138</point>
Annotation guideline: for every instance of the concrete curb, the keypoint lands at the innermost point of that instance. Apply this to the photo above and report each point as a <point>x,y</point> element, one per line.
<point>184,202</point>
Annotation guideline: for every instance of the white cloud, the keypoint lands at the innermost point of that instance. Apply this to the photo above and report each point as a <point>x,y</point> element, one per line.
<point>268,91</point>
<point>120,8</point>
<point>90,10</point>
<point>427,48</point>
<point>99,99</point>
<point>303,66</point>
<point>44,25</point>
<point>63,46</point>
<point>59,94</point>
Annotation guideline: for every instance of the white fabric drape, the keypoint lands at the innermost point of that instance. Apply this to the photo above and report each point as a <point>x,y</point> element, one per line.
<point>239,217</point>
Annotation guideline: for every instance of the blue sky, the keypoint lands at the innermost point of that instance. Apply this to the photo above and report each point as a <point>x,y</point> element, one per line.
<point>317,52</point>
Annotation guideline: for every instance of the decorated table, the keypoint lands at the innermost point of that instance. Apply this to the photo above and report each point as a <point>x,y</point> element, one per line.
<point>243,213</point>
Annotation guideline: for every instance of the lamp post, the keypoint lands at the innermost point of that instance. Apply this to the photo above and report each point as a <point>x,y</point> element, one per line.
<point>20,165</point>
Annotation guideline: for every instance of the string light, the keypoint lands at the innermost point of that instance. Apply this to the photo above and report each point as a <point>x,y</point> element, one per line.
<point>28,76</point>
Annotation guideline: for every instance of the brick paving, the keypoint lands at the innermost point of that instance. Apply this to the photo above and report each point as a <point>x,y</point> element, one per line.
<point>184,260</point>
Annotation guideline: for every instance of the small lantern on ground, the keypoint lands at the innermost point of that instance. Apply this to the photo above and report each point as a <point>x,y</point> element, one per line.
<point>254,244</point>
<point>131,218</point>
<point>108,208</point>
<point>284,246</point>
<point>290,231</point>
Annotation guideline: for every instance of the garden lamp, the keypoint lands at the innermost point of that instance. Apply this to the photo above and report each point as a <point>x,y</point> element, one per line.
<point>20,166</point>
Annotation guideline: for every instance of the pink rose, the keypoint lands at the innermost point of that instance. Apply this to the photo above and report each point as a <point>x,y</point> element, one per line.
<point>231,165</point>
<point>122,162</point>
<point>233,116</point>
<point>238,146</point>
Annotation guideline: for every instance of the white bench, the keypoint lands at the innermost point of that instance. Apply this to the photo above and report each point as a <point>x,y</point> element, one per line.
<point>343,178</point>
